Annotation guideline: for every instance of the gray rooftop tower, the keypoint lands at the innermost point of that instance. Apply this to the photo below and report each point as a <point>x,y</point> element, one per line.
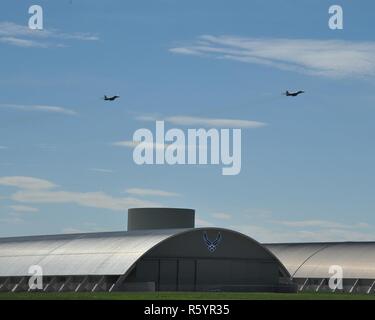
<point>160,218</point>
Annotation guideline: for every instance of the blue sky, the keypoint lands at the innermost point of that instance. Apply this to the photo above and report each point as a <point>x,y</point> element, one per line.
<point>306,176</point>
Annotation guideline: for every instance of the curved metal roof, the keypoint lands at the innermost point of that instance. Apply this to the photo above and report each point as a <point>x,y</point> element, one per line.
<point>313,260</point>
<point>111,253</point>
<point>106,253</point>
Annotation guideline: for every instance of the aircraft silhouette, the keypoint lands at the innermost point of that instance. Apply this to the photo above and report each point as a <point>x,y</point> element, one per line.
<point>113,98</point>
<point>293,94</point>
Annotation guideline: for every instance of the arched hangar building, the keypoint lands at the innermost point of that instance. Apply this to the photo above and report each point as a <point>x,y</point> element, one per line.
<point>163,251</point>
<point>311,265</point>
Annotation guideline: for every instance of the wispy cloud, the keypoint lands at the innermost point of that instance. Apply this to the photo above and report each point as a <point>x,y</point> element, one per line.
<point>319,224</point>
<point>151,192</point>
<point>125,143</point>
<point>146,145</point>
<point>22,36</point>
<point>26,43</point>
<point>84,228</point>
<point>201,223</point>
<point>268,234</point>
<point>222,216</point>
<point>3,147</point>
<point>39,108</point>
<point>262,225</point>
<point>28,183</point>
<point>205,122</point>
<point>26,209</point>
<point>34,190</point>
<point>154,145</point>
<point>328,58</point>
<point>98,200</point>
<point>187,121</point>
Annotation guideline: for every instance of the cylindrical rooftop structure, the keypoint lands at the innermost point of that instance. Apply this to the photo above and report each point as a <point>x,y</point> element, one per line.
<point>160,218</point>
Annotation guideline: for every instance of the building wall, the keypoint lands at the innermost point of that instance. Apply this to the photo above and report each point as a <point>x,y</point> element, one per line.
<point>184,263</point>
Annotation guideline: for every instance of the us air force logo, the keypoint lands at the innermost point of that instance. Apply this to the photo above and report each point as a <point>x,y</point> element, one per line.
<point>211,245</point>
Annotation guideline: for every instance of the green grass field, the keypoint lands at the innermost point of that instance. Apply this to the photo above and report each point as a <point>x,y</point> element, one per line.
<point>183,296</point>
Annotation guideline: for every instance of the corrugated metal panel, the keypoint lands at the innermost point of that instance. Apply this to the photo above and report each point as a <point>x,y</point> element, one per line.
<point>78,254</point>
<point>313,260</point>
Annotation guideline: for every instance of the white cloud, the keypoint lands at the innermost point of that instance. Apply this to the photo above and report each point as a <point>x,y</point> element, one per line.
<point>263,234</point>
<point>277,235</point>
<point>151,192</point>
<point>126,143</point>
<point>265,229</point>
<point>17,208</point>
<point>146,145</point>
<point>329,58</point>
<point>84,228</point>
<point>155,146</point>
<point>3,147</point>
<point>26,43</point>
<point>39,108</point>
<point>22,36</point>
<point>222,216</point>
<point>320,224</point>
<point>306,231</point>
<point>310,223</point>
<point>188,121</point>
<point>34,190</point>
<point>10,29</point>
<point>201,223</point>
<point>99,200</point>
<point>29,183</point>
<point>362,225</point>
<point>185,50</point>
<point>206,122</point>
